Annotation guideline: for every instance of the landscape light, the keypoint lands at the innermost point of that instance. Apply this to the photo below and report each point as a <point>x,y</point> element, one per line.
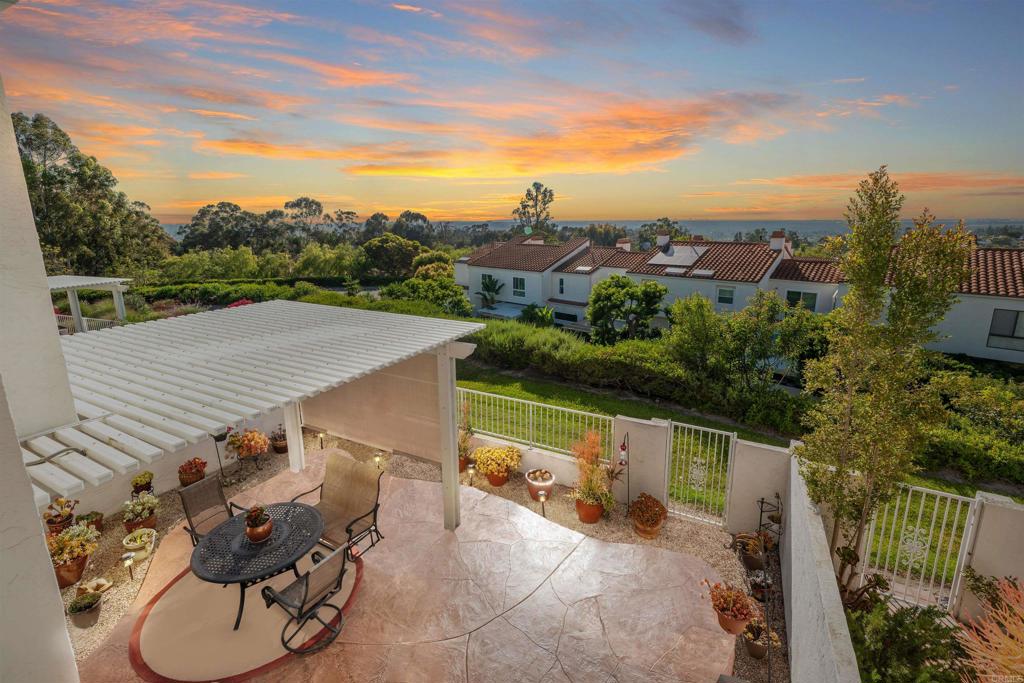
<point>542,496</point>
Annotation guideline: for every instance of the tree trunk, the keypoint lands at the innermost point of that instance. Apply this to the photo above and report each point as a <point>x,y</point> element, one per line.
<point>865,513</point>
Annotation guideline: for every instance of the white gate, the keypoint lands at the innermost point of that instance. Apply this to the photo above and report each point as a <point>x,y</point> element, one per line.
<point>697,472</point>
<point>919,541</point>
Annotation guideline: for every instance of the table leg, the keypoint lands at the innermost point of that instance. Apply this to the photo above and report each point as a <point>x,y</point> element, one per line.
<point>241,605</point>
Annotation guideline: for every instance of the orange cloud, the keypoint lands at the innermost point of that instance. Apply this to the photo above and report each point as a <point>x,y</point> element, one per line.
<point>336,74</point>
<point>911,182</point>
<point>746,133</point>
<point>415,9</point>
<point>275,150</point>
<point>216,175</point>
<point>212,113</point>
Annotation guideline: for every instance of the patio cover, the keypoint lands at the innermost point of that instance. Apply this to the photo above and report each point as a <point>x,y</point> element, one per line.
<point>59,283</point>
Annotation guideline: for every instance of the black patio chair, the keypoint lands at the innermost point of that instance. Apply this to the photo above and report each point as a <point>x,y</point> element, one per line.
<point>305,597</point>
<point>205,507</point>
<point>349,502</point>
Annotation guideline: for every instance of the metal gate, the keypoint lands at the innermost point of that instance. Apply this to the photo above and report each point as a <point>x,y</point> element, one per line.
<point>919,541</point>
<point>698,472</point>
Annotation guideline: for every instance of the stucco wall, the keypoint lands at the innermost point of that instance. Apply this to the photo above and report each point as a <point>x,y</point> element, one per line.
<point>819,640</point>
<point>826,292</point>
<point>758,471</point>
<point>577,287</point>
<point>965,328</point>
<point>648,448</point>
<point>996,550</point>
<point>34,643</point>
<point>393,409</point>
<point>535,285</point>
<point>32,362</point>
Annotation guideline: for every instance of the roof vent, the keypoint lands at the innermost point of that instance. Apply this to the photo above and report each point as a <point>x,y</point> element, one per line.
<point>675,271</point>
<point>584,269</point>
<point>703,272</point>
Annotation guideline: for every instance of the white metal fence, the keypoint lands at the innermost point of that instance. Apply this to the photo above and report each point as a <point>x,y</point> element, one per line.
<point>919,542</point>
<point>534,424</point>
<point>697,472</point>
<point>66,324</point>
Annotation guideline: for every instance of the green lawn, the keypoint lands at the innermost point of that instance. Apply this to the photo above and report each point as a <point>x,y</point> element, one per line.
<point>475,376</point>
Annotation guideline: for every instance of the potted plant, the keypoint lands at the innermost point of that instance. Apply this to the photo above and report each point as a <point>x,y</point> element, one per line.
<point>538,480</point>
<point>84,610</point>
<point>59,515</point>
<point>593,490</point>
<point>279,440</point>
<point>140,542</point>
<point>191,471</point>
<point>465,438</point>
<point>142,482</point>
<point>733,607</point>
<point>751,547</point>
<point>93,519</point>
<point>760,584</point>
<point>258,524</point>
<point>497,462</point>
<point>648,515</point>
<point>757,636</point>
<point>70,551</point>
<point>249,443</point>
<point>141,512</point>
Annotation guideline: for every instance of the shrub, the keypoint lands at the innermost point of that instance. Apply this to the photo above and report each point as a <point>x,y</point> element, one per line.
<point>441,292</point>
<point>995,643</point>
<point>904,645</point>
<point>594,483</point>
<point>497,460</point>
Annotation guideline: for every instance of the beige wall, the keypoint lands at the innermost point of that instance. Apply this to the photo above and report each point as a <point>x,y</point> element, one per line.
<point>393,409</point>
<point>997,549</point>
<point>31,360</point>
<point>34,643</point>
<point>758,471</point>
<point>648,447</point>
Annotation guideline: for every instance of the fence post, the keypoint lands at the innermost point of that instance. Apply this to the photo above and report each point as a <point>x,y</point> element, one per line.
<point>729,469</point>
<point>530,422</point>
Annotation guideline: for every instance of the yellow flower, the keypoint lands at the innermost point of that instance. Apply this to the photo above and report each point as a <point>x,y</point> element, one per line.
<point>498,460</point>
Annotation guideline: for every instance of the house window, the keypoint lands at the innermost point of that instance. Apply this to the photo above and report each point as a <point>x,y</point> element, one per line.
<point>518,286</point>
<point>561,285</point>
<point>1007,330</point>
<point>809,299</point>
<point>726,295</point>
<point>567,317</point>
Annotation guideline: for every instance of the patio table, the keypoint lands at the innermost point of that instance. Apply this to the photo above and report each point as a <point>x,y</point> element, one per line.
<point>226,555</point>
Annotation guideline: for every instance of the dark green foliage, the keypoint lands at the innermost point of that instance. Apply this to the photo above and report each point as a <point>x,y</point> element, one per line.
<point>539,316</point>
<point>84,602</point>
<point>621,308</point>
<point>391,256</point>
<point>904,645</point>
<point>442,292</point>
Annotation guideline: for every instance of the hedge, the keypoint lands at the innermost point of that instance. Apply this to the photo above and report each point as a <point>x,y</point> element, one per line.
<point>977,455</point>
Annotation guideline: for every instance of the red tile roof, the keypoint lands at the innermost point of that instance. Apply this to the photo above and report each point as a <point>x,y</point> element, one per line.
<point>732,261</point>
<point>808,269</point>
<point>592,257</point>
<point>996,272</point>
<point>514,255</point>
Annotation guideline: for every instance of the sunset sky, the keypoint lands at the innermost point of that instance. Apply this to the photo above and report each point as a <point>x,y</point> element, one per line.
<point>691,109</point>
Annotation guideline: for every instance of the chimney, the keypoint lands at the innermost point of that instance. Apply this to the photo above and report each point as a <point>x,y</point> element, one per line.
<point>778,240</point>
<point>624,244</point>
<point>663,238</point>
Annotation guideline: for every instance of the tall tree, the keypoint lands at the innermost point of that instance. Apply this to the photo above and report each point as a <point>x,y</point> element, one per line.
<point>414,226</point>
<point>391,256</point>
<point>85,224</point>
<point>534,211</point>
<point>375,226</point>
<point>874,404</point>
<point>621,308</point>
<point>646,236</point>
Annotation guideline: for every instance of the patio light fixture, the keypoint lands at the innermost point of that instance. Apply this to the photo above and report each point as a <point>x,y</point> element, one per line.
<point>129,560</point>
<point>542,496</point>
<point>376,459</point>
<point>624,463</point>
<point>471,469</point>
<point>321,435</point>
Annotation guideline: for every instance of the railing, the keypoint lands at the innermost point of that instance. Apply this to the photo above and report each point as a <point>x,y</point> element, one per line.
<point>535,424</point>
<point>697,472</point>
<point>66,324</point>
<point>918,541</point>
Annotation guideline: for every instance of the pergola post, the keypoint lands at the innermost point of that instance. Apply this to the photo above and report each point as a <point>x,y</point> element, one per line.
<point>446,400</point>
<point>118,293</point>
<point>76,311</point>
<point>293,434</point>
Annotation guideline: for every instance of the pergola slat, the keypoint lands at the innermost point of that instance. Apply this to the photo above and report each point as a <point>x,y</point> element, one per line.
<point>97,450</point>
<point>76,464</point>
<point>52,477</point>
<point>123,441</point>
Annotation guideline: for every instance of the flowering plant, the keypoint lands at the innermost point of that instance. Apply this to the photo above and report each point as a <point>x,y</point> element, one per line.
<point>140,508</point>
<point>72,543</point>
<point>59,510</point>
<point>594,485</point>
<point>248,443</point>
<point>142,478</point>
<point>256,516</point>
<point>192,466</point>
<point>758,632</point>
<point>729,601</point>
<point>240,302</point>
<point>497,460</point>
<point>279,434</point>
<point>647,510</point>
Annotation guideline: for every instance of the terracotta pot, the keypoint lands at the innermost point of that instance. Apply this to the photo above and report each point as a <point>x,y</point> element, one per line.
<point>89,617</point>
<point>148,523</point>
<point>55,526</point>
<point>535,487</point>
<point>258,534</point>
<point>96,523</point>
<point>136,490</point>
<point>753,562</point>
<point>187,478</point>
<point>760,593</point>
<point>756,650</point>
<point>279,446</point>
<point>463,463</point>
<point>497,479</point>
<point>730,625</point>
<point>70,573</point>
<point>648,531</point>
<point>588,513</point>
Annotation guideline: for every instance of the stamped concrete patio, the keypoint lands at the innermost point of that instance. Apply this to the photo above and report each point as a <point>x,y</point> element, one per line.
<point>509,596</point>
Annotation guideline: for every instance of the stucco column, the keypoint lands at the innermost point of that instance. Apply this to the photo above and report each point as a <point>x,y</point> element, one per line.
<point>119,311</point>
<point>446,400</point>
<point>293,433</point>
<point>76,311</point>
<point>34,639</point>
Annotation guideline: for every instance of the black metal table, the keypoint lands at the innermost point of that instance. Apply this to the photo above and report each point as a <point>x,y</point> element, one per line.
<point>226,555</point>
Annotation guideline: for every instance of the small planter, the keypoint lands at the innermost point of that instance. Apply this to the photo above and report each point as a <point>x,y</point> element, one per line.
<point>93,519</point>
<point>730,625</point>
<point>535,483</point>
<point>648,532</point>
<point>70,573</point>
<point>463,463</point>
<point>753,562</point>
<point>87,617</point>
<point>259,534</point>
<point>142,488</point>
<point>147,523</point>
<point>55,526</point>
<point>140,542</point>
<point>755,649</point>
<point>497,480</point>
<point>279,446</point>
<point>589,513</point>
<point>189,478</point>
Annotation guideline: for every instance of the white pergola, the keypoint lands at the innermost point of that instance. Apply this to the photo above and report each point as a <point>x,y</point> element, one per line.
<point>70,284</point>
<point>144,389</point>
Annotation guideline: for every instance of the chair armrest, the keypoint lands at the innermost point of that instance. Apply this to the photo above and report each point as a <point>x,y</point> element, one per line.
<point>236,506</point>
<point>348,529</point>
<point>306,493</point>
<point>195,537</point>
<point>270,596</point>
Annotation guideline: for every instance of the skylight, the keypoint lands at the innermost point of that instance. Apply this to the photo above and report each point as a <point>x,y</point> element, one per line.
<point>677,255</point>
<point>703,272</point>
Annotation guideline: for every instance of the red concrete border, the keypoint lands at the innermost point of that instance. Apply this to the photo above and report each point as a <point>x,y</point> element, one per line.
<point>147,674</point>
